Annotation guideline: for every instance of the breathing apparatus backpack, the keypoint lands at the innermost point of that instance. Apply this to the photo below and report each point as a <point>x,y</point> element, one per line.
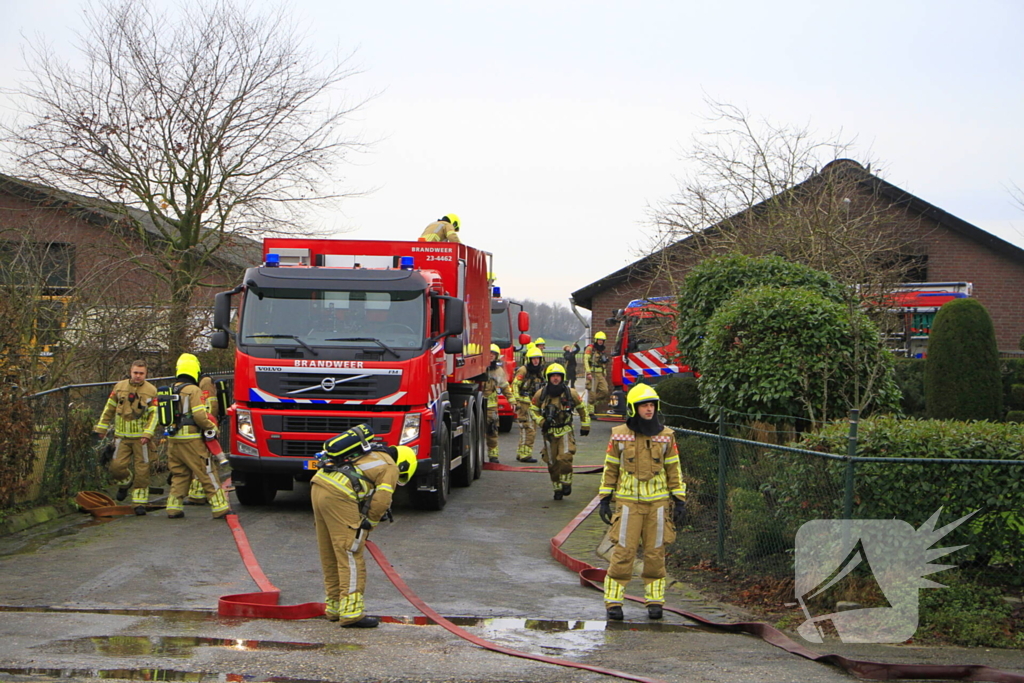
<point>173,411</point>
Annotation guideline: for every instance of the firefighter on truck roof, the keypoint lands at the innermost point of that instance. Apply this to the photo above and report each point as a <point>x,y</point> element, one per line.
<point>351,492</point>
<point>595,361</point>
<point>641,472</point>
<point>132,405</point>
<point>444,229</point>
<point>528,379</point>
<point>187,456</point>
<point>553,406</point>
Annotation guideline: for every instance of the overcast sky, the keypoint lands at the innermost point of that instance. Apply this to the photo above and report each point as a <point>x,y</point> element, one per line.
<point>550,127</point>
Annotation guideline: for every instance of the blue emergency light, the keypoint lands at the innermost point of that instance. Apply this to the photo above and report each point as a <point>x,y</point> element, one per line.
<point>406,262</point>
<point>496,292</point>
<point>273,260</point>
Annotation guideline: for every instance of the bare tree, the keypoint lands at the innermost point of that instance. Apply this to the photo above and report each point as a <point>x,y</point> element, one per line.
<point>209,124</point>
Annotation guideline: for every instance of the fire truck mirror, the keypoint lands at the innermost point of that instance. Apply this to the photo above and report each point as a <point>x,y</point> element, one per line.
<point>453,345</point>
<point>219,339</point>
<point>454,312</point>
<point>524,339</point>
<point>524,324</point>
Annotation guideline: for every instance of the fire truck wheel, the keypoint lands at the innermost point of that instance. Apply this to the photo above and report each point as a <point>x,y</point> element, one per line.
<point>463,474</point>
<point>481,449</point>
<point>438,498</point>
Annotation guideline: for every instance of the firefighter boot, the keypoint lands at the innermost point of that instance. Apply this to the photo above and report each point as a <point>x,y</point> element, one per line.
<point>196,494</point>
<point>174,508</point>
<point>558,491</point>
<point>332,612</point>
<point>122,493</point>
<point>219,505</point>
<point>615,613</point>
<point>525,454</point>
<point>492,455</point>
<point>366,622</point>
<point>654,611</point>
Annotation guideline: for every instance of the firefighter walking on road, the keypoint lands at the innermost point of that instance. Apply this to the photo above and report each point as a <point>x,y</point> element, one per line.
<point>132,406</point>
<point>196,495</point>
<point>496,382</point>
<point>641,472</point>
<point>529,378</point>
<point>187,457</point>
<point>595,362</point>
<point>351,492</point>
<point>444,229</point>
<point>553,406</point>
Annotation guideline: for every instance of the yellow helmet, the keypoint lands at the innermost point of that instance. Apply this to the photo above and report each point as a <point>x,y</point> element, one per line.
<point>406,461</point>
<point>534,352</point>
<point>600,335</point>
<point>640,393</point>
<point>555,369</point>
<point>540,340</point>
<point>187,365</point>
<point>453,219</point>
<point>495,349</point>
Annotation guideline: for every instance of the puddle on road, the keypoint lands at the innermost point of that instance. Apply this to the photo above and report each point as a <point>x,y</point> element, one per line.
<point>34,673</point>
<point>173,615</point>
<point>546,625</point>
<point>180,646</point>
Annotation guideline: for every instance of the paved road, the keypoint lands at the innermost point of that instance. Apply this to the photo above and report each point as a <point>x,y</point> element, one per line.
<point>486,556</point>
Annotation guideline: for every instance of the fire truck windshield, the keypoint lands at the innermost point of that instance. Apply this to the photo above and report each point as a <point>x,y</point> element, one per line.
<point>501,330</point>
<point>650,332</point>
<point>296,317</point>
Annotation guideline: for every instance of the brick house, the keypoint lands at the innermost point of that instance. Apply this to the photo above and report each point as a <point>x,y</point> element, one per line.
<point>93,250</point>
<point>943,248</point>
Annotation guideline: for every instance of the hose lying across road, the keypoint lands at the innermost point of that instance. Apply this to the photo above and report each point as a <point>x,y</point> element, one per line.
<point>264,605</point>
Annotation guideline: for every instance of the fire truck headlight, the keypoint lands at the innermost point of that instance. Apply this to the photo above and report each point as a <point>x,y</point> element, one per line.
<point>410,428</point>
<point>244,424</point>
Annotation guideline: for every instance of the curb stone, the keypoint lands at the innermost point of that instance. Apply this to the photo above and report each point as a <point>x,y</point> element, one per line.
<point>33,517</point>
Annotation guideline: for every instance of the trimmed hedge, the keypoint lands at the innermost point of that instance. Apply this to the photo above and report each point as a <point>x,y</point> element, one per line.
<point>680,404</point>
<point>912,492</point>
<point>962,380</point>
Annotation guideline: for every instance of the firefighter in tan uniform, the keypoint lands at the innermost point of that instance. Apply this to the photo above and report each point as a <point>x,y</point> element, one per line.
<point>528,379</point>
<point>641,471</point>
<point>187,457</point>
<point>351,491</point>
<point>496,382</point>
<point>444,229</point>
<point>196,495</point>
<point>132,406</point>
<point>595,362</point>
<point>552,408</point>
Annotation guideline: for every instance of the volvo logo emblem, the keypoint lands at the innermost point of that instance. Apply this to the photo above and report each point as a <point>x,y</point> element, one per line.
<point>327,384</point>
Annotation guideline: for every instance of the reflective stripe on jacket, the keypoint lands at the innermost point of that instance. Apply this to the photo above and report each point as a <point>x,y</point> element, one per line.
<point>641,468</point>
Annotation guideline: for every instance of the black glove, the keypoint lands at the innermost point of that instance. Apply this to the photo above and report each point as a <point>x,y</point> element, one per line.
<point>584,431</point>
<point>678,512</point>
<point>96,438</point>
<point>388,516</point>
<point>365,524</point>
<point>605,509</point>
<point>107,454</point>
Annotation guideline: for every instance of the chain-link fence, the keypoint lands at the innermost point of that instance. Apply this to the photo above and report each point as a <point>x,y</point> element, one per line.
<point>749,497</point>
<point>64,457</point>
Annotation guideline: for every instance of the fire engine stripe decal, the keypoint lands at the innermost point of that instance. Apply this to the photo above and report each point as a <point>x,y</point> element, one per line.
<point>392,399</point>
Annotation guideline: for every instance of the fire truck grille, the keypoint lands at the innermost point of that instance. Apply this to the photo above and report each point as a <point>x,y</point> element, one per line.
<point>324,424</point>
<point>328,385</point>
<point>295,449</point>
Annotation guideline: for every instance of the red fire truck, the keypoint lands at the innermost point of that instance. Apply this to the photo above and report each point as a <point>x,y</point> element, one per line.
<point>334,333</point>
<point>645,345</point>
<point>501,334</point>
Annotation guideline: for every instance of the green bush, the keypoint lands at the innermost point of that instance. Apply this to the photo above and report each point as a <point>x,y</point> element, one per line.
<point>752,527</point>
<point>1015,416</point>
<point>680,404</point>
<point>910,379</point>
<point>962,379</point>
<point>965,613</point>
<point>793,352</point>
<point>913,492</point>
<point>712,282</point>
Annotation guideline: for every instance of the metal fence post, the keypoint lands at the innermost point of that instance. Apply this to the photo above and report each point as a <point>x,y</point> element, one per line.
<point>65,397</point>
<point>721,487</point>
<point>851,453</point>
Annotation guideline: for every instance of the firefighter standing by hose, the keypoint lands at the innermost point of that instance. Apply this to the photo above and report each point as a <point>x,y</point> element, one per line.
<point>184,414</point>
<point>132,405</point>
<point>552,407</point>
<point>641,472</point>
<point>444,229</point>
<point>496,382</point>
<point>595,362</point>
<point>351,492</point>
<point>528,379</point>
<point>196,495</point>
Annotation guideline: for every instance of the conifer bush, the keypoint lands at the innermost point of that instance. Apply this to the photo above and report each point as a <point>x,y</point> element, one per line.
<point>962,377</point>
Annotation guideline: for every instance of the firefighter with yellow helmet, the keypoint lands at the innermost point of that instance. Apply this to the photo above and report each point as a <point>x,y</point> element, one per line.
<point>642,474</point>
<point>351,492</point>
<point>196,495</point>
<point>187,456</point>
<point>444,229</point>
<point>552,407</point>
<point>496,383</point>
<point>528,379</point>
<point>132,406</point>
<point>595,362</point>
